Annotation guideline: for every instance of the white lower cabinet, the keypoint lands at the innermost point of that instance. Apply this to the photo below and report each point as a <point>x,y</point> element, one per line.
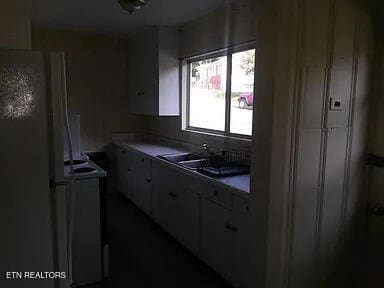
<point>223,242</point>
<point>176,207</point>
<point>208,220</point>
<point>124,162</point>
<point>134,178</point>
<point>189,213</point>
<point>141,182</point>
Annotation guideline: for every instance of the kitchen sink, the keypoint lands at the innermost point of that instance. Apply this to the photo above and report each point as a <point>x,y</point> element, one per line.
<point>180,157</point>
<point>211,166</point>
<point>194,164</point>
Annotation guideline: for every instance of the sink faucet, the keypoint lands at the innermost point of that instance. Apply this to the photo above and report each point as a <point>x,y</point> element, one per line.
<point>207,150</point>
<point>218,153</point>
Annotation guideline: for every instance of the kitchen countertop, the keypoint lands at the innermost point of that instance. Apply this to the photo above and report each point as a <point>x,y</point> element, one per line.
<point>239,183</point>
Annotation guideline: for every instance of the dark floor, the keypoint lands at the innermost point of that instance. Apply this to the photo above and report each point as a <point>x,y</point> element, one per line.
<point>143,255</point>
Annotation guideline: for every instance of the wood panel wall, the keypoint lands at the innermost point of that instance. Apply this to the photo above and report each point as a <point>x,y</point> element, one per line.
<point>15,28</point>
<point>377,112</point>
<point>375,173</point>
<point>97,83</point>
<point>335,200</point>
<point>313,199</point>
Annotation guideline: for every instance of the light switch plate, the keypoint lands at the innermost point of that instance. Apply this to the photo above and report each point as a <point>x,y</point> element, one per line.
<point>335,104</point>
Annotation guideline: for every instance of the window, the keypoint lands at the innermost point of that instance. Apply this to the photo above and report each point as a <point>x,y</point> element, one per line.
<point>220,91</point>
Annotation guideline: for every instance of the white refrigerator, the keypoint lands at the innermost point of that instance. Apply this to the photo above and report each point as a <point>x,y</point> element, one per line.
<point>34,233</point>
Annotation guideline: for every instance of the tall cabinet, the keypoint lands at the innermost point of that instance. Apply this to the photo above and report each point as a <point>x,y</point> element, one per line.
<point>154,73</point>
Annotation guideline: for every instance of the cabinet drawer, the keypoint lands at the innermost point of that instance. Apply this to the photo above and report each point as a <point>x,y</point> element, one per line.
<point>221,196</point>
<point>240,204</point>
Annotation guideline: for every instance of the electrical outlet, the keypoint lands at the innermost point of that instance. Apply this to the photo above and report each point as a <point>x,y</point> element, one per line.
<point>335,105</point>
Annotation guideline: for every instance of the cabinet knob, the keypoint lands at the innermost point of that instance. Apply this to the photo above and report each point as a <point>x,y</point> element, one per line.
<point>173,195</point>
<point>142,160</point>
<point>377,210</point>
<point>148,180</point>
<point>216,193</point>
<point>122,151</point>
<point>129,169</point>
<point>229,227</point>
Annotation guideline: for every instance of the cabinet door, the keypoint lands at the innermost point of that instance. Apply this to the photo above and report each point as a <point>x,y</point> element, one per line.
<point>113,176</point>
<point>126,179</point>
<point>141,182</point>
<point>135,81</point>
<point>241,245</point>
<point>169,202</point>
<point>217,240</point>
<point>223,244</point>
<point>165,197</point>
<point>144,74</point>
<point>160,184</point>
<point>176,205</point>
<point>124,172</point>
<point>188,217</point>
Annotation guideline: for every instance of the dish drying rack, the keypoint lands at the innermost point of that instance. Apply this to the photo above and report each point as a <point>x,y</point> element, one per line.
<point>226,163</point>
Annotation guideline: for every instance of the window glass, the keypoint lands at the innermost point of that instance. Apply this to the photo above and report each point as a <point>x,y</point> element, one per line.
<point>207,84</point>
<point>242,83</point>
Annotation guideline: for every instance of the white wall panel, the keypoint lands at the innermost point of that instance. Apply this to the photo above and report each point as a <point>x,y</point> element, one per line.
<point>313,97</point>
<point>339,90</point>
<point>305,209</point>
<point>332,199</point>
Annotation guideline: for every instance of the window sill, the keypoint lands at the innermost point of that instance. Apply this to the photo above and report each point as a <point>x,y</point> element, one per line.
<point>245,139</point>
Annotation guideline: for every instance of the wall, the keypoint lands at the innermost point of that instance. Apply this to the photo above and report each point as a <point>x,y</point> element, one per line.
<point>375,173</point>
<point>15,30</point>
<point>97,83</point>
<point>377,103</point>
<point>233,24</point>
<point>377,119</point>
<point>308,224</point>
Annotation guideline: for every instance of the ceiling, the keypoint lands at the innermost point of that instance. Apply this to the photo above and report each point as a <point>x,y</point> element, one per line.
<point>107,17</point>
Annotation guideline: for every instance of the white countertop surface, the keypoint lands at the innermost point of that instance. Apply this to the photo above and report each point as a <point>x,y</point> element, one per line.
<point>241,183</point>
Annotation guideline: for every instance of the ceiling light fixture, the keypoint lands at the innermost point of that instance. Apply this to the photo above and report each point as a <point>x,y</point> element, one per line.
<point>132,5</point>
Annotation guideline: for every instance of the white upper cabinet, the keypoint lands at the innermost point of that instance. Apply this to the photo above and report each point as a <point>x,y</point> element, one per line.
<point>154,73</point>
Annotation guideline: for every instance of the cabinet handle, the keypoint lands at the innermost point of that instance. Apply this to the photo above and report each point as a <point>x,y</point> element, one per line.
<point>173,195</point>
<point>230,227</point>
<point>129,169</point>
<point>148,180</point>
<point>215,193</point>
<point>377,210</point>
<point>142,160</point>
<point>122,151</point>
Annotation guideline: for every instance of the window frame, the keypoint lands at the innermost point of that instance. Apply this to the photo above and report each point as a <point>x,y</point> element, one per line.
<point>228,52</point>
